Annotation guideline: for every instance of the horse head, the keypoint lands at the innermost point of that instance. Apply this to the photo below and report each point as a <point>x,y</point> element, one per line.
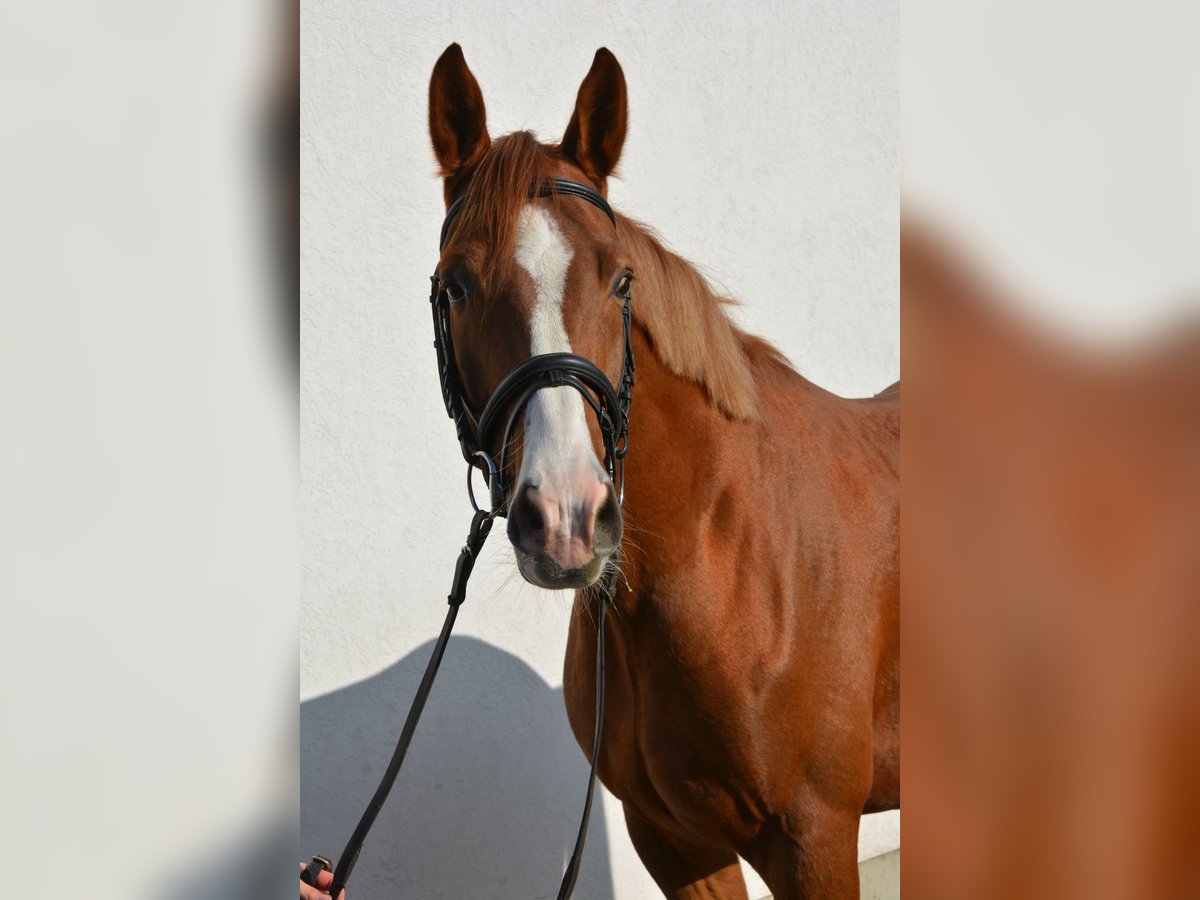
<point>527,271</point>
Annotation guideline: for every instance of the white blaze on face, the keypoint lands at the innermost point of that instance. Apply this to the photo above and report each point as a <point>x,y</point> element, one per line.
<point>558,450</point>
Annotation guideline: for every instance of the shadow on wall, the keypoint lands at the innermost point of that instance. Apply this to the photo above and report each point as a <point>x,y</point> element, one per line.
<point>489,799</point>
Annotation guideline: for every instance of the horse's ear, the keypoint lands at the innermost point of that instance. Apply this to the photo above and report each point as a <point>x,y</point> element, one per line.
<point>457,119</point>
<point>596,131</point>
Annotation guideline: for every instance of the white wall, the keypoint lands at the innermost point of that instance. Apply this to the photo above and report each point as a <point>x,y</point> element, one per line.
<point>763,145</point>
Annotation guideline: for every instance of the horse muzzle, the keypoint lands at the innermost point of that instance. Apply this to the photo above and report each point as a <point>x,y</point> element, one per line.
<point>563,537</point>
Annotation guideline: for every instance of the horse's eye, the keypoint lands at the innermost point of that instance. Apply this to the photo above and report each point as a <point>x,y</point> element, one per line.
<point>621,288</point>
<point>455,292</point>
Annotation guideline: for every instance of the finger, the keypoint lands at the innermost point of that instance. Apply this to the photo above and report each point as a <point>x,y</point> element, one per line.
<point>325,883</point>
<point>321,891</point>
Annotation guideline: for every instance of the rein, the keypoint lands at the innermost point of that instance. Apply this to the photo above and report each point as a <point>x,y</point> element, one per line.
<point>475,434</point>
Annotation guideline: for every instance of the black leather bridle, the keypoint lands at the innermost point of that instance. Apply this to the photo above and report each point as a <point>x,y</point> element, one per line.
<point>475,434</point>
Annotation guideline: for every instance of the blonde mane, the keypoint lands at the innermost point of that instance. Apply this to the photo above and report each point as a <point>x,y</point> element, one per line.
<point>688,325</point>
<point>686,320</point>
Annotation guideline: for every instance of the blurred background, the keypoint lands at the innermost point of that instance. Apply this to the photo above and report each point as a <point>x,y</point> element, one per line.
<point>1051,445</point>
<point>149,321</point>
<point>148,451</point>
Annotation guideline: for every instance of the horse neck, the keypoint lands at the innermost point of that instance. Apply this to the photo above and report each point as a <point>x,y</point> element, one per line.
<point>700,450</point>
<point>680,449</point>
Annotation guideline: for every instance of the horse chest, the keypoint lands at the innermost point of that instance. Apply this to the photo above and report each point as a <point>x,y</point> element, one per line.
<point>675,746</point>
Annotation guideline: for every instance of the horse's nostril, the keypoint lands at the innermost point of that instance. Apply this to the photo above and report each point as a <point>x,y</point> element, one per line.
<point>526,525</point>
<point>609,524</point>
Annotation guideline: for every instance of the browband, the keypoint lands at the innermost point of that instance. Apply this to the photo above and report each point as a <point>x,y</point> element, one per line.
<point>547,188</point>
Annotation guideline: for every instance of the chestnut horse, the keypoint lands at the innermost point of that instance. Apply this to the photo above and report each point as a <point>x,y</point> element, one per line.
<point>753,682</point>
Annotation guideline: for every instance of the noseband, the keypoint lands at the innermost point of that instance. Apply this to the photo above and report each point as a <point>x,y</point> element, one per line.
<point>476,433</point>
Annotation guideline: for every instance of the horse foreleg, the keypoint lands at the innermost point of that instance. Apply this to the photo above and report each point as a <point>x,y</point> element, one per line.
<point>818,861</point>
<point>685,871</point>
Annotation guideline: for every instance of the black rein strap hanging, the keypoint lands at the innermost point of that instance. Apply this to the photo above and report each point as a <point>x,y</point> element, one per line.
<point>611,406</point>
<point>481,525</point>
